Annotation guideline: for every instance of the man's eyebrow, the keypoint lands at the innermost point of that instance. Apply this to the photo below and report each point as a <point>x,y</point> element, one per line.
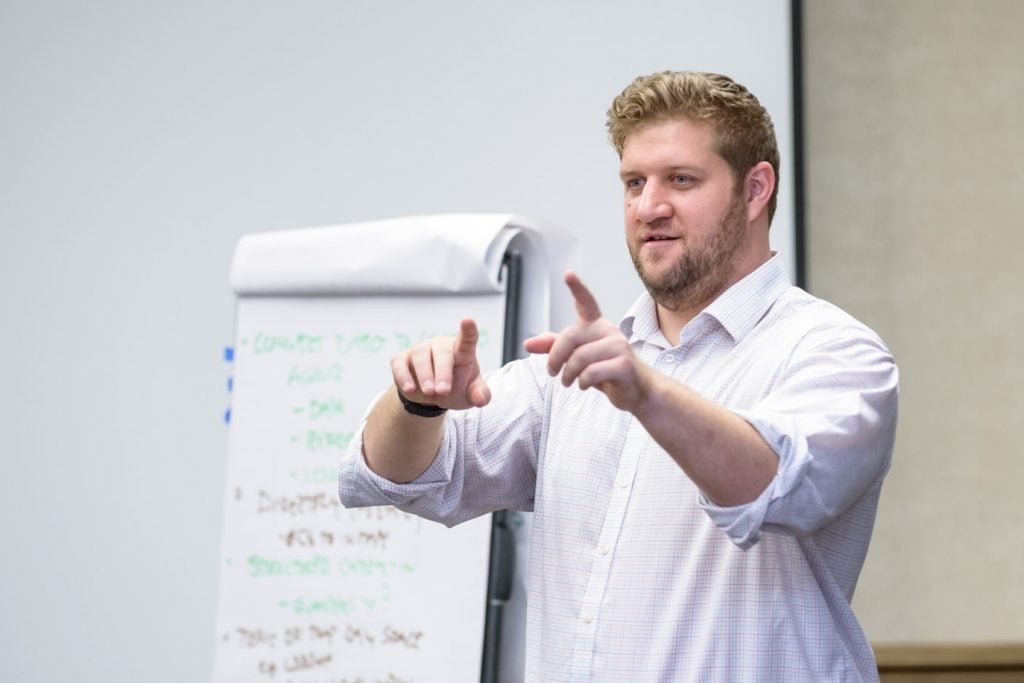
<point>688,169</point>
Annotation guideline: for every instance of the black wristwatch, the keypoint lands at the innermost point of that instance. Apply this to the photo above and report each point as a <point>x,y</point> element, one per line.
<point>420,409</point>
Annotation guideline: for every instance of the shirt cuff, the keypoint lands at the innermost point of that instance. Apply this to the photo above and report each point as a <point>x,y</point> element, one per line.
<point>744,523</point>
<point>359,486</point>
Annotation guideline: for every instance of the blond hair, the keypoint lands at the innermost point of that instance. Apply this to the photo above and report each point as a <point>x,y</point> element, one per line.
<point>744,133</point>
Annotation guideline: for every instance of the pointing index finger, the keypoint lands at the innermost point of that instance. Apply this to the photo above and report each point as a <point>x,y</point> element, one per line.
<point>586,304</point>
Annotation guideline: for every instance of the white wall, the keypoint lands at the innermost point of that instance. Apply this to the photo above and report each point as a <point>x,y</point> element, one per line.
<point>914,219</point>
<point>139,140</point>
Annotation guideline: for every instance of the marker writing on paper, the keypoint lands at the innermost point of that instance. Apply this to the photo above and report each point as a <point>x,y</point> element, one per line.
<point>229,357</point>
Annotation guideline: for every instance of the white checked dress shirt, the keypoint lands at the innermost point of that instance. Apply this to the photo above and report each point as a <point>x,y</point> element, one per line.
<point>635,575</point>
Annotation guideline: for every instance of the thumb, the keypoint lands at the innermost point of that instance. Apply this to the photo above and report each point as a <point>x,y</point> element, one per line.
<point>465,342</point>
<point>542,343</point>
<point>478,393</point>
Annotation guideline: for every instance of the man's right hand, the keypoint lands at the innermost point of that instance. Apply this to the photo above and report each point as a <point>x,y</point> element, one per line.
<point>443,371</point>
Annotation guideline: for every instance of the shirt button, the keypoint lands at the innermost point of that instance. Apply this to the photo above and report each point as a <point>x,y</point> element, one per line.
<point>670,358</point>
<point>604,550</point>
<point>623,483</point>
<point>587,617</point>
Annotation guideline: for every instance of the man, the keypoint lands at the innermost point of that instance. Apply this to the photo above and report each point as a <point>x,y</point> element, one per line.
<point>704,475</point>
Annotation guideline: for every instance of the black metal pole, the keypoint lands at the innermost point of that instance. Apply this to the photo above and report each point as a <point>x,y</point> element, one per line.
<point>503,548</point>
<point>796,11</point>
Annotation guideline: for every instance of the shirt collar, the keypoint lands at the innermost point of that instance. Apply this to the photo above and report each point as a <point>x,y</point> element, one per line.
<point>738,309</point>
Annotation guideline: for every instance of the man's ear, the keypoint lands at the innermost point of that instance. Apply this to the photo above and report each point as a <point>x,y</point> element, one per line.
<point>760,185</point>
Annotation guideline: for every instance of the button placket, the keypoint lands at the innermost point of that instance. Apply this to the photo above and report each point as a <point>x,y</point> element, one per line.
<point>597,581</point>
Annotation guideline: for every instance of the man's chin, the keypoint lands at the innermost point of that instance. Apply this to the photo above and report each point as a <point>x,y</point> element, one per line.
<point>662,275</point>
<point>665,287</point>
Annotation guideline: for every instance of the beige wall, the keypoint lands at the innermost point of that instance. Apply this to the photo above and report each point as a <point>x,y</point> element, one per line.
<point>915,224</point>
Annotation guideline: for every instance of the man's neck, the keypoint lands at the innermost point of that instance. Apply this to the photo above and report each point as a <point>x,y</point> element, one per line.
<point>671,321</point>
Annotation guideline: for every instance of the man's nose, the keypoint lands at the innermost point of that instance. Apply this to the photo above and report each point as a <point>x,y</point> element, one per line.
<point>652,204</point>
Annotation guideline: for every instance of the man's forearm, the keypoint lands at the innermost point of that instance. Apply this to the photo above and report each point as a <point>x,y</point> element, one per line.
<point>397,445</point>
<point>720,451</point>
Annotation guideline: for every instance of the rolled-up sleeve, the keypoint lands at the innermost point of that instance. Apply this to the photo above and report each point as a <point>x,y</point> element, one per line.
<point>486,461</point>
<point>831,420</point>
<point>359,486</point>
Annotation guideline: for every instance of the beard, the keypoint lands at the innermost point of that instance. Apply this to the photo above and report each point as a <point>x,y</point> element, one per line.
<point>703,270</point>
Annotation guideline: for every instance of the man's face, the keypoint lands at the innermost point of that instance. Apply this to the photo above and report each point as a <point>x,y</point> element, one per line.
<point>685,225</point>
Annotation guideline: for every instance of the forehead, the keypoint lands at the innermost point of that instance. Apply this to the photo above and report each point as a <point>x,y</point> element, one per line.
<point>674,142</point>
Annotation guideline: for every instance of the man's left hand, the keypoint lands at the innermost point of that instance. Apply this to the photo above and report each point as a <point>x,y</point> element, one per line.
<point>595,353</point>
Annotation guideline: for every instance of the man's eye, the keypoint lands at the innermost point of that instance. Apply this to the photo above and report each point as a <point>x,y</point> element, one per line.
<point>682,179</point>
<point>635,183</point>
